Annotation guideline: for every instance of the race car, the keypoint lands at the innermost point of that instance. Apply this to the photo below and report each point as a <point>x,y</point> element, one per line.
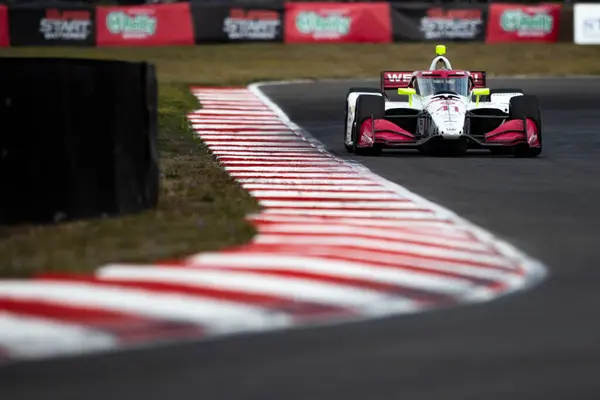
<point>441,111</point>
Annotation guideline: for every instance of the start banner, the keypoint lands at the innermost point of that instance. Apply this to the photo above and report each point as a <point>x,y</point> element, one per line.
<point>457,23</point>
<point>223,22</point>
<point>523,23</point>
<point>586,23</point>
<point>337,22</point>
<point>146,25</point>
<point>56,25</point>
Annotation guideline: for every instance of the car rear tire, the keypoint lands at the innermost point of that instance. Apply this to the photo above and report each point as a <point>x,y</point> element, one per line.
<point>348,147</point>
<point>367,106</point>
<point>527,106</point>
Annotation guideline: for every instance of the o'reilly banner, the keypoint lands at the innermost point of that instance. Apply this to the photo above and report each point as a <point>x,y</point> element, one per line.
<point>523,23</point>
<point>231,23</point>
<point>586,23</point>
<point>35,25</point>
<point>146,25</point>
<point>416,23</point>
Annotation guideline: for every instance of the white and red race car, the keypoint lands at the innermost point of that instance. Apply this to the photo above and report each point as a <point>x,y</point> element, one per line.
<point>447,112</point>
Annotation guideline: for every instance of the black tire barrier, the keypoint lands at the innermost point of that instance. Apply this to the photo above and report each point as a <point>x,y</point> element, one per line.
<point>78,139</point>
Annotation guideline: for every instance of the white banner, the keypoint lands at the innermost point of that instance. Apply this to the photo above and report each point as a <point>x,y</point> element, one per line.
<point>586,23</point>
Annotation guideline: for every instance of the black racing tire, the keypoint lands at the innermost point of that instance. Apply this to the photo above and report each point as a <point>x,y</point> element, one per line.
<point>527,106</point>
<point>367,106</point>
<point>350,148</point>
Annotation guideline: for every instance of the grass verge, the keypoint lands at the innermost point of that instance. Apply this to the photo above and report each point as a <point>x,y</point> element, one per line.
<point>201,208</point>
<point>243,63</point>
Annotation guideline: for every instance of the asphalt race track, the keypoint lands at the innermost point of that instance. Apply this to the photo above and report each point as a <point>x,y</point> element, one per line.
<point>541,344</point>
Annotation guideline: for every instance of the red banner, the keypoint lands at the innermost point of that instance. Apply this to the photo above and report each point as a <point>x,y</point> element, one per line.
<point>520,23</point>
<point>148,25</point>
<point>4,36</point>
<point>337,23</point>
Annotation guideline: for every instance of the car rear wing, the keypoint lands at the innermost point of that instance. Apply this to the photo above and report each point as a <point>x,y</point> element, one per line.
<point>395,79</point>
<point>479,79</point>
<point>401,79</point>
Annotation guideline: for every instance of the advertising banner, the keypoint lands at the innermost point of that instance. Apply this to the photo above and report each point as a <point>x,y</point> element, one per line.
<point>522,23</point>
<point>232,23</point>
<point>147,25</point>
<point>4,38</point>
<point>60,25</point>
<point>586,23</point>
<point>412,23</point>
<point>337,23</point>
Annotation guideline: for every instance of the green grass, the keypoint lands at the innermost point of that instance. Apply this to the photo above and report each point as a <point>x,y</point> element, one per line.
<point>243,63</point>
<point>201,208</point>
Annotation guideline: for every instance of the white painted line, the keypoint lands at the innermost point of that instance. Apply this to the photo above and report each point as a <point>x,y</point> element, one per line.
<point>260,135</point>
<point>229,96</point>
<point>270,168</point>
<point>239,107</point>
<point>258,138</point>
<point>227,105</point>
<point>260,149</point>
<point>289,161</point>
<point>353,213</point>
<point>332,188</point>
<point>203,112</point>
<point>377,259</point>
<point>273,153</point>
<point>234,120</point>
<point>239,125</point>
<point>291,181</point>
<point>352,270</point>
<point>439,229</point>
<point>270,156</point>
<point>236,126</point>
<point>296,194</point>
<point>358,222</point>
<point>212,100</point>
<point>233,98</point>
<point>209,313</point>
<point>341,177</point>
<point>245,133</point>
<point>380,245</point>
<point>397,235</point>
<point>341,205</point>
<point>247,143</point>
<point>28,337</point>
<point>220,90</point>
<point>291,288</point>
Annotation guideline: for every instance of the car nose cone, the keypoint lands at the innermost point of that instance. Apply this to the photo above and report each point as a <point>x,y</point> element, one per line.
<point>448,117</point>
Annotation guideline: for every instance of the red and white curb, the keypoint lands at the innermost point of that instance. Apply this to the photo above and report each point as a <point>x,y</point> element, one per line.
<point>335,243</point>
